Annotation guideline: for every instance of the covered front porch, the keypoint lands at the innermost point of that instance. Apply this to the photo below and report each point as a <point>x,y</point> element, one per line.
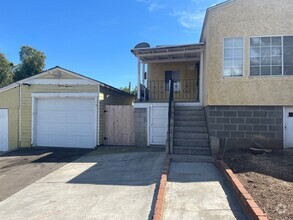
<point>158,65</point>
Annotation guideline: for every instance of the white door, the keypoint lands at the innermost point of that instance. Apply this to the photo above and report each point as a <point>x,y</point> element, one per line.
<point>3,129</point>
<point>158,125</point>
<point>66,122</point>
<point>289,127</point>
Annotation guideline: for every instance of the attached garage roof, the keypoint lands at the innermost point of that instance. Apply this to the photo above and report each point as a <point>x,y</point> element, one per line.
<point>176,53</point>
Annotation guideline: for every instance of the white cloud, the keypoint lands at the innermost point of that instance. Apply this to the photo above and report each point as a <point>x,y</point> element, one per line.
<point>152,5</point>
<point>190,20</point>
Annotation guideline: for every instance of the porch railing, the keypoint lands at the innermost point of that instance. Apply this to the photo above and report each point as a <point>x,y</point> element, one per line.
<point>184,90</point>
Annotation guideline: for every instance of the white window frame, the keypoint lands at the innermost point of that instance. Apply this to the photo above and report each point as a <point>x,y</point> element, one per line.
<point>282,41</point>
<point>243,54</point>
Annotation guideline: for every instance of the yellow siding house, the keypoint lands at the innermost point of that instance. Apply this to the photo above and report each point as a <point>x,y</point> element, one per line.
<point>56,108</point>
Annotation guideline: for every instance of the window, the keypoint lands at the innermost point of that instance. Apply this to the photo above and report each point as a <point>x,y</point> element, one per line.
<point>288,55</point>
<point>265,56</point>
<point>233,56</point>
<point>271,56</point>
<point>176,80</point>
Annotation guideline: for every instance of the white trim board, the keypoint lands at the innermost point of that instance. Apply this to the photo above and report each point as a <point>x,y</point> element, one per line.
<point>16,84</point>
<point>60,82</point>
<point>63,95</point>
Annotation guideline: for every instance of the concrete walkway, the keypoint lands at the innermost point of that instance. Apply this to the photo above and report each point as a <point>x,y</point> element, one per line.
<point>116,186</point>
<point>198,191</point>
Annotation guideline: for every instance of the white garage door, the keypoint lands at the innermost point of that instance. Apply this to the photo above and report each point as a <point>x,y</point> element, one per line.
<point>158,125</point>
<point>66,122</point>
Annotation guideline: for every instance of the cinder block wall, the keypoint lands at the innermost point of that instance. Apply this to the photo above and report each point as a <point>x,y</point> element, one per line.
<point>241,126</point>
<point>140,126</point>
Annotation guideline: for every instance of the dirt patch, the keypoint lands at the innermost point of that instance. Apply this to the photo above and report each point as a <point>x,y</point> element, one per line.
<point>268,178</point>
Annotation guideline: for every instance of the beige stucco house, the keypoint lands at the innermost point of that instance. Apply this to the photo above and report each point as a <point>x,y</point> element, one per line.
<point>56,108</point>
<point>240,74</point>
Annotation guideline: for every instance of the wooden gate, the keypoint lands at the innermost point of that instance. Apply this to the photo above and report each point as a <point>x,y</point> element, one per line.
<point>119,125</point>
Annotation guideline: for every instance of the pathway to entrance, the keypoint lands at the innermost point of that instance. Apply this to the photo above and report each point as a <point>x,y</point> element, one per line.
<point>199,191</point>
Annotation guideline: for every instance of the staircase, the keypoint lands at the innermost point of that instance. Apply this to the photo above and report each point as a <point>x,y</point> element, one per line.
<point>190,132</point>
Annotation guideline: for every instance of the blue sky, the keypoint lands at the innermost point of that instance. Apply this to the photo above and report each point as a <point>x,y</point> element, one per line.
<point>94,37</point>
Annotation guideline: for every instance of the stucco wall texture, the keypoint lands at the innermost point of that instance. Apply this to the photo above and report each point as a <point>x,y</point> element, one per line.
<point>245,18</point>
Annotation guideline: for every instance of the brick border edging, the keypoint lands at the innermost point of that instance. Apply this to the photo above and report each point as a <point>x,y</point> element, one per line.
<point>158,213</point>
<point>253,211</point>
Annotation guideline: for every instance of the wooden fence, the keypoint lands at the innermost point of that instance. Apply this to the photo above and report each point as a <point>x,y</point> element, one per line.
<point>119,125</point>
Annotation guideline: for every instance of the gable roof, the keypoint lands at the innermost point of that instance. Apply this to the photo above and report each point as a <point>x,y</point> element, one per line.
<point>207,12</point>
<point>94,81</point>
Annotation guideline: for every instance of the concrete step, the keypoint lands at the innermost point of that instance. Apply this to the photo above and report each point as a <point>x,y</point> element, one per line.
<point>192,151</point>
<point>189,108</point>
<point>191,142</point>
<point>189,118</point>
<point>190,123</point>
<point>189,113</point>
<point>190,129</point>
<point>185,135</point>
<point>191,158</point>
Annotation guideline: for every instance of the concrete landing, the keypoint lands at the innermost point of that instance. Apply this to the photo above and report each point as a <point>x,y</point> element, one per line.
<point>198,191</point>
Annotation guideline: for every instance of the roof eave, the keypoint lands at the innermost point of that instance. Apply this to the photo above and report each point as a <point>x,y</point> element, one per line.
<point>206,15</point>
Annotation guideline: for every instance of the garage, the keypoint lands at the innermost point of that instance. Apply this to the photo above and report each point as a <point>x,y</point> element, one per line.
<point>65,122</point>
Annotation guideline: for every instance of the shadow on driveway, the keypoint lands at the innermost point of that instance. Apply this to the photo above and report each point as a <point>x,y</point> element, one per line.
<point>22,167</point>
<point>99,185</point>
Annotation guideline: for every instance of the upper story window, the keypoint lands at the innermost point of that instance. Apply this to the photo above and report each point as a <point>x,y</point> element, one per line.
<point>288,55</point>
<point>233,56</point>
<point>271,56</point>
<point>265,56</point>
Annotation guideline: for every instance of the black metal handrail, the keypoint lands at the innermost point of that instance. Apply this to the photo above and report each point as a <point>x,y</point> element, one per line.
<point>170,103</point>
<point>144,93</point>
<point>184,89</point>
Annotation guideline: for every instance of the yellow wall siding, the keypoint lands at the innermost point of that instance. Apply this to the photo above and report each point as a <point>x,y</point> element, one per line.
<point>26,106</point>
<point>110,97</point>
<point>245,18</point>
<point>10,100</point>
<point>156,79</point>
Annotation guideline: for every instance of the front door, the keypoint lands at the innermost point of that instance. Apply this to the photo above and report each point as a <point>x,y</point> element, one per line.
<point>289,127</point>
<point>3,129</point>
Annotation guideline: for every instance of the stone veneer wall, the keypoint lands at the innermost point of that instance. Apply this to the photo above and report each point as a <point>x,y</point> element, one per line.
<point>140,126</point>
<point>241,126</point>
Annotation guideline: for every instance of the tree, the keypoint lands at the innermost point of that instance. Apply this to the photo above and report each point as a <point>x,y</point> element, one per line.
<point>6,73</point>
<point>32,63</point>
<point>132,91</point>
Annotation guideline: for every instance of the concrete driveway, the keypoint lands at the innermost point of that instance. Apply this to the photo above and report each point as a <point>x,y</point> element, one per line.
<point>20,168</point>
<point>114,186</point>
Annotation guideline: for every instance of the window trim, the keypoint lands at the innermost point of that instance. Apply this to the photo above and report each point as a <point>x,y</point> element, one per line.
<point>282,41</point>
<point>243,58</point>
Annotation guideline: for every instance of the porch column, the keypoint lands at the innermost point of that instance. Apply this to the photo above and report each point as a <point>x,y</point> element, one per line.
<point>138,79</point>
<point>201,79</point>
<point>143,71</point>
